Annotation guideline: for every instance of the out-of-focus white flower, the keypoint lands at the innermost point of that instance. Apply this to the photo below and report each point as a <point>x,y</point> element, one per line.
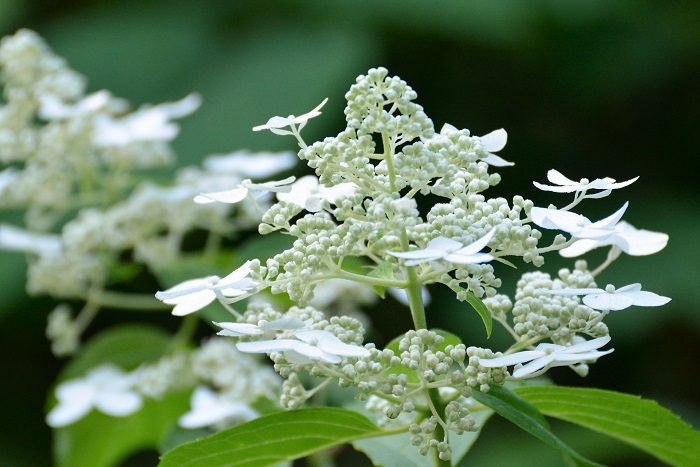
<point>563,184</point>
<point>577,225</point>
<point>195,294</point>
<point>53,108</point>
<point>449,250</point>
<point>309,346</point>
<point>635,242</point>
<point>239,193</point>
<point>247,329</point>
<point>16,239</point>
<point>492,142</point>
<point>310,194</point>
<point>549,355</point>
<point>251,164</point>
<point>209,408</point>
<point>105,388</point>
<point>146,124</point>
<point>276,123</point>
<point>615,299</point>
<point>8,176</point>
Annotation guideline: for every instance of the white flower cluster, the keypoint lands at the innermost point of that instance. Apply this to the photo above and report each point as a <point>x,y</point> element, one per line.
<point>363,201</point>
<point>226,385</point>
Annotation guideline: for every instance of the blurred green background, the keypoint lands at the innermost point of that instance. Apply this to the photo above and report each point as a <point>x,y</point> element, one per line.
<point>593,89</point>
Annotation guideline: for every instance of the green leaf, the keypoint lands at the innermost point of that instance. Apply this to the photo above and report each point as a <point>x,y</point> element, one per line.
<point>638,422</point>
<point>396,450</point>
<point>274,438</point>
<point>484,312</point>
<point>515,409</point>
<point>382,271</point>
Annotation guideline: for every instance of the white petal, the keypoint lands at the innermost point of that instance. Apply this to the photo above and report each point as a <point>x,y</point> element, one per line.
<point>607,301</point>
<point>251,164</point>
<point>557,178</point>
<point>191,303</point>
<point>447,129</point>
<point>588,345</point>
<point>181,108</point>
<point>496,161</point>
<point>642,298</point>
<point>581,246</point>
<point>495,141</point>
<point>611,220</point>
<point>329,343</point>
<point>184,288</point>
<point>313,113</point>
<point>228,196</point>
<point>534,366</point>
<point>239,329</point>
<point>65,414</point>
<point>556,189</point>
<point>478,244</point>
<point>235,277</point>
<point>562,359</point>
<point>558,219</point>
<point>118,404</point>
<point>284,324</point>
<point>16,239</point>
<point>639,242</point>
<point>512,359</point>
<point>473,258</point>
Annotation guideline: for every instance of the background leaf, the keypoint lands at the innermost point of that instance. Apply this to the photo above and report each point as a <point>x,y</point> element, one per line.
<point>641,423</point>
<point>484,312</point>
<point>274,438</point>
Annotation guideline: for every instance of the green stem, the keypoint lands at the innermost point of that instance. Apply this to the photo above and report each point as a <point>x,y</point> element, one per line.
<point>184,333</point>
<point>439,433</point>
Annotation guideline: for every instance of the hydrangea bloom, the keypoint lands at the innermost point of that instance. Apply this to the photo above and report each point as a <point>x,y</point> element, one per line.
<point>309,346</point>
<point>105,388</point>
<point>209,408</point>
<point>615,299</point>
<point>492,142</point>
<point>239,193</point>
<point>448,250</point>
<point>195,294</point>
<point>549,355</point>
<point>276,123</point>
<point>563,184</point>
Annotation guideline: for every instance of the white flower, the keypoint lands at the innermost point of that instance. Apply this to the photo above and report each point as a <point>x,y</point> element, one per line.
<point>577,225</point>
<point>247,329</point>
<point>251,164</point>
<point>16,239</point>
<point>195,294</point>
<point>492,142</point>
<point>614,299</point>
<point>146,124</point>
<point>105,388</point>
<point>210,408</point>
<point>53,108</point>
<point>635,242</point>
<point>309,346</point>
<point>239,193</point>
<point>549,355</point>
<point>275,123</point>
<point>7,177</point>
<point>310,194</point>
<point>449,250</point>
<point>566,185</point>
